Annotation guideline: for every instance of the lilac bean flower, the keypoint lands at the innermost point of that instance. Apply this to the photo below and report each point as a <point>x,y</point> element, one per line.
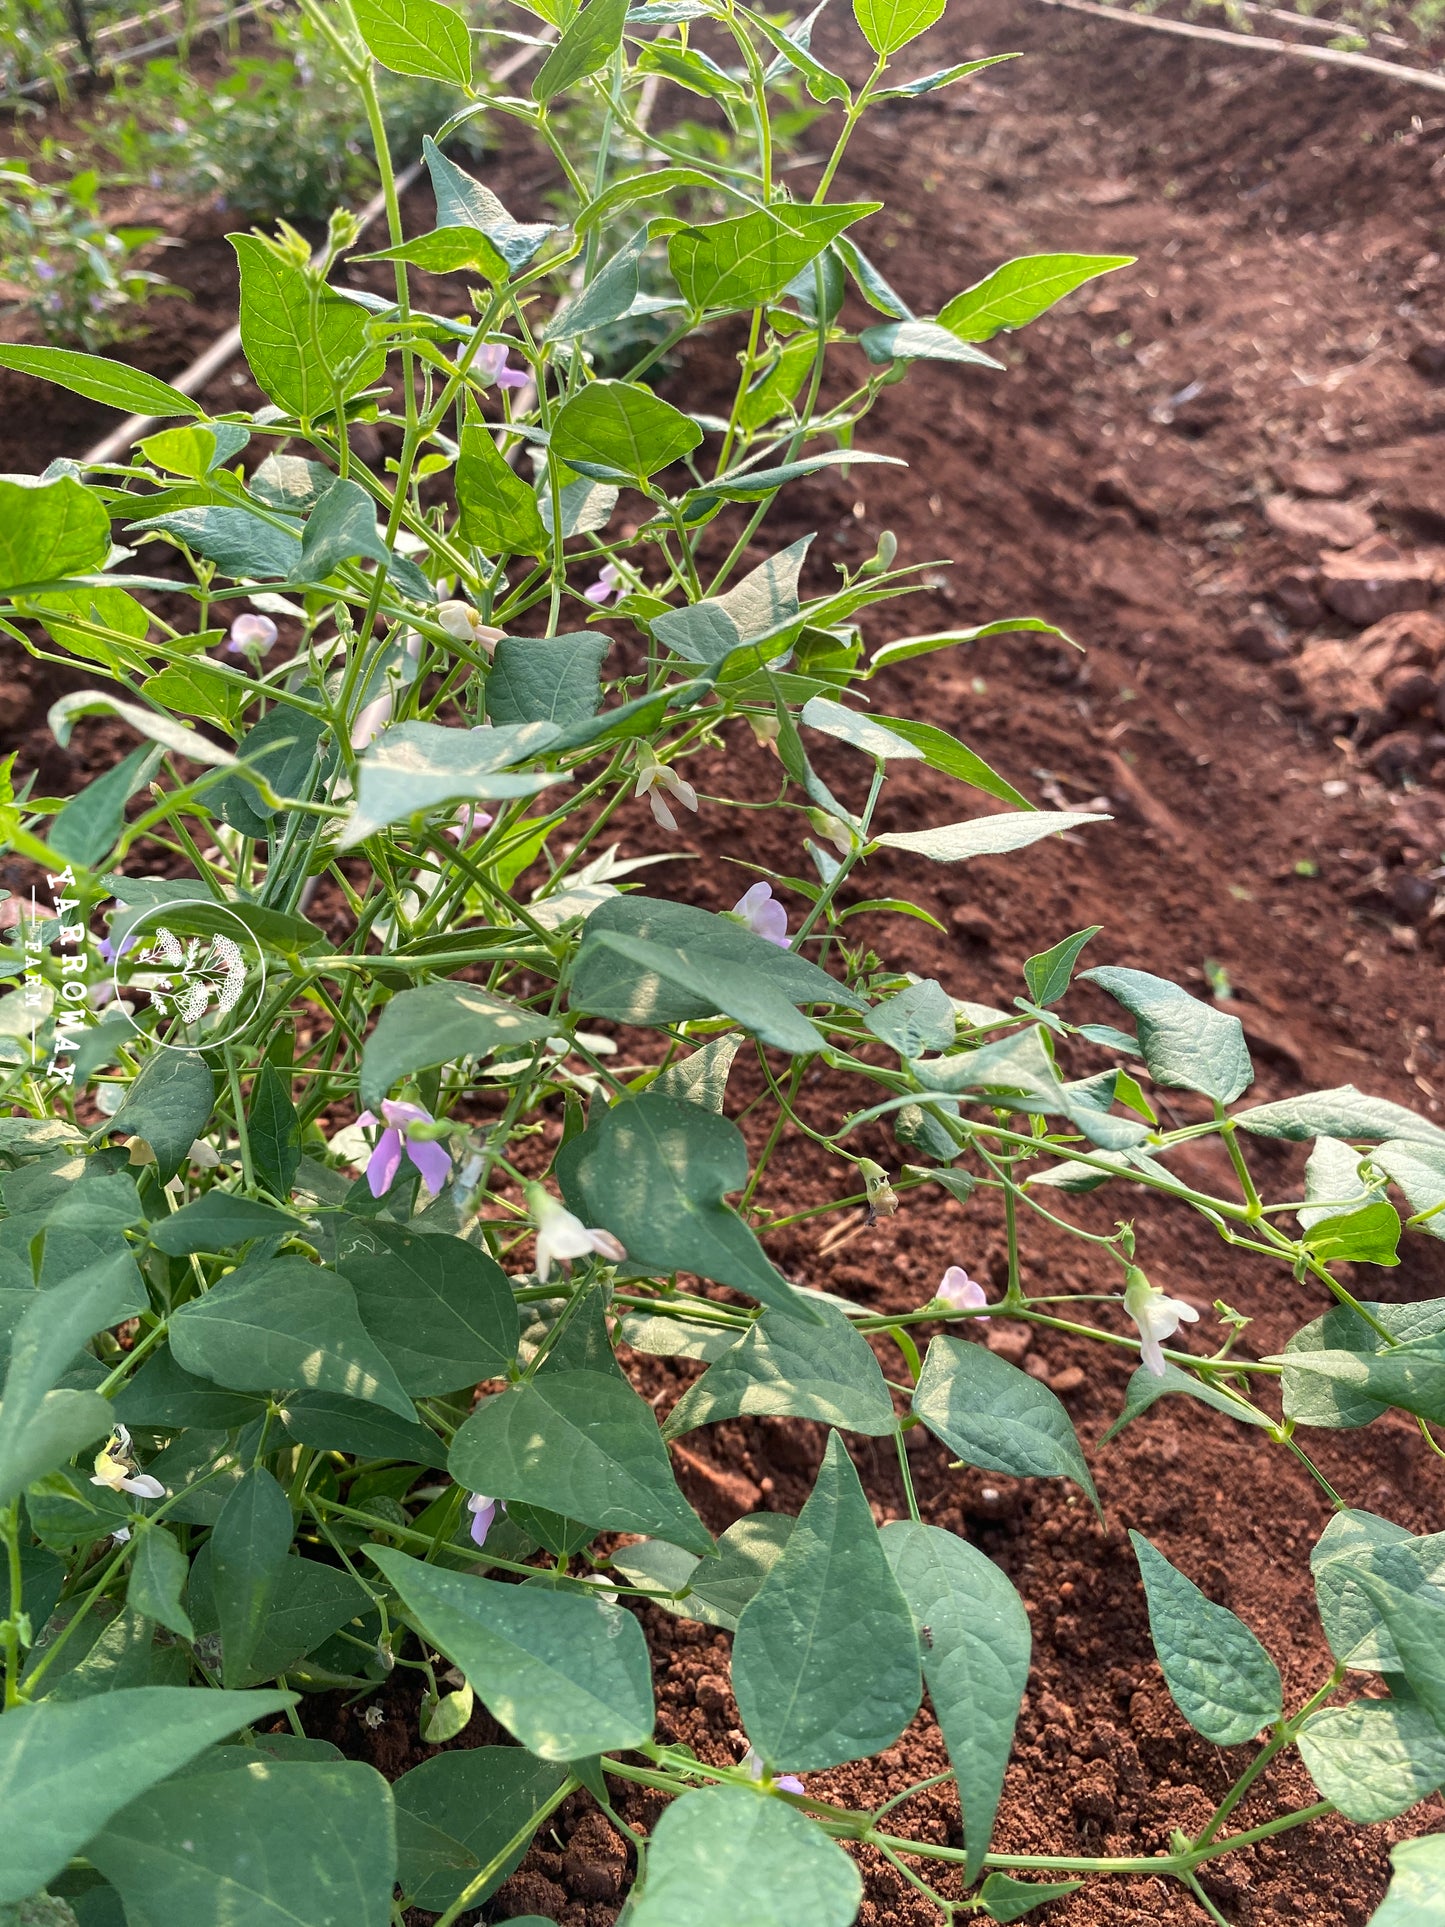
<point>608,584</point>
<point>760,910</point>
<point>484,1512</point>
<point>429,1158</point>
<point>492,365</point>
<point>1157,1315</point>
<point>784,1782</point>
<point>960,1291</point>
<point>251,635</point>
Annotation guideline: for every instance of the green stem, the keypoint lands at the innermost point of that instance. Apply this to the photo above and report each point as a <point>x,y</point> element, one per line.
<point>472,1893</point>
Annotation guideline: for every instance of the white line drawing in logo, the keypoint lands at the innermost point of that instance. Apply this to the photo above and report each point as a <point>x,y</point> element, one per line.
<point>197,982</point>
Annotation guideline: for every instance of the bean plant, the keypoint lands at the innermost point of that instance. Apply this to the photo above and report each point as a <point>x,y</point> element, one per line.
<point>75,277</point>
<point>368,1087</point>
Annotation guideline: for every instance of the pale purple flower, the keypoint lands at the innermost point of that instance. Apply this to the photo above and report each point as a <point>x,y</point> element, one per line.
<point>608,584</point>
<point>428,1156</point>
<point>44,271</point>
<point>374,716</point>
<point>492,365</point>
<point>653,778</point>
<point>960,1291</point>
<point>251,635</point>
<point>784,1782</point>
<point>562,1236</point>
<point>484,1512</point>
<point>110,951</point>
<point>1157,1315</point>
<point>760,910</point>
<point>468,822</point>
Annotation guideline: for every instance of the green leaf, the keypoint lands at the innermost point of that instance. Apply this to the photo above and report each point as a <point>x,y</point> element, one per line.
<point>331,1423</point>
<point>763,605</point>
<point>1188,1045</point>
<point>423,37</point>
<point>655,1172</point>
<point>726,1854</point>
<point>585,48</point>
<point>720,1588</point>
<point>163,1395</point>
<point>1219,1676</point>
<point>480,1798</point>
<point>1021,290</point>
<point>945,753</point>
<point>888,25</point>
<point>158,1574</point>
<point>342,526</point>
<point>49,530</point>
<point>1374,1759</point>
<point>1369,1236</point>
<point>1005,1898</point>
<point>301,373</point>
<point>239,542</point>
<point>976,1644</point>
<point>497,510</point>
<point>583,1444</point>
<point>440,1310</point>
<point>267,1844</point>
<point>114,383</point>
<point>553,679</point>
<point>1417,1890</point>
<point>567,1673</point>
<point>273,1126</point>
<point>1355,1542</point>
<point>987,835</point>
<point>825,1659</point>
<point>944,77</point>
<point>308,1602</point>
<point>1342,1113</point>
<point>719,948</point>
<point>919,341</point>
<point>67,710</point>
<point>435,1024</point>
<point>1146,1388</point>
<point>448,249</point>
<point>1415,1623</point>
<point>194,452</point>
<point>995,1416</point>
<point>789,1369</point>
<point>1419,1170</point>
<point>89,826</point>
<point>1048,975</point>
<point>749,484</point>
<point>40,1427</point>
<point>616,428</point>
<point>749,260</point>
<point>586,507</point>
<point>248,1549</point>
<point>285,1324</point>
<point>1333,1183</point>
<point>169,1105</point>
<point>757,1003</point>
<point>419,766</point>
<point>908,647</point>
<point>463,202</point>
<point>1410,1376</point>
<point>66,1768</point>
<point>861,731</point>
<point>918,1019</point>
<point>1333,1399</point>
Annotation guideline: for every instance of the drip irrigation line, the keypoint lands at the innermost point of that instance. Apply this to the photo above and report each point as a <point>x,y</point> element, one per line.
<point>1257,43</point>
<point>226,347</point>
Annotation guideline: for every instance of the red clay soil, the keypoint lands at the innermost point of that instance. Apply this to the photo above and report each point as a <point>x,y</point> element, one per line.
<point>1113,480</point>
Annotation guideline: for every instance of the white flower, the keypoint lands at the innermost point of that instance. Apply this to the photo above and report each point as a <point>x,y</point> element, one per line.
<point>251,635</point>
<point>960,1291</point>
<point>461,621</point>
<point>653,777</point>
<point>834,828</point>
<point>562,1236</point>
<point>114,1467</point>
<point>882,1201</point>
<point>1156,1314</point>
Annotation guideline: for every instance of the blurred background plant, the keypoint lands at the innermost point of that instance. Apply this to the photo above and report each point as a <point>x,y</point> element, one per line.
<point>77,277</point>
<point>280,134</point>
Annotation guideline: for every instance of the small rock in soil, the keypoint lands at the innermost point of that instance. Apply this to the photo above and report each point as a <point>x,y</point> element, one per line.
<point>1428,358</point>
<point>1295,594</point>
<point>1010,1342</point>
<point>972,926</point>
<point>1068,1380</point>
<point>1258,642</point>
<point>1311,475</point>
<point>1375,580</point>
<point>1407,692</point>
<point>1397,756</point>
<point>1340,525</point>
